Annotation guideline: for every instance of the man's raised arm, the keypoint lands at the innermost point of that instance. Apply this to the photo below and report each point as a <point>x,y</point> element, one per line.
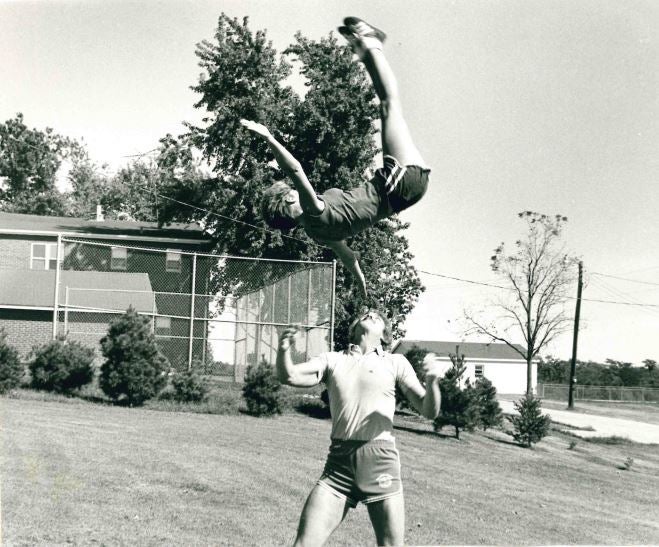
<point>427,401</point>
<point>303,375</point>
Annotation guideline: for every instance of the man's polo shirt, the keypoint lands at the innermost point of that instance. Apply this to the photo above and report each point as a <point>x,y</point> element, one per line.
<point>362,391</point>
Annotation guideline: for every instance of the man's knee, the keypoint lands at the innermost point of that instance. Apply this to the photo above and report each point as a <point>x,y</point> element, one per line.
<point>390,107</point>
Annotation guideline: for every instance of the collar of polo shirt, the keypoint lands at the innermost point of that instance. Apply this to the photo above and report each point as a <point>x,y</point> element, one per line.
<point>354,348</point>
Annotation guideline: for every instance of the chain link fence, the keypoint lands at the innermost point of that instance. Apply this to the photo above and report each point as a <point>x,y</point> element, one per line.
<point>559,392</point>
<point>219,314</point>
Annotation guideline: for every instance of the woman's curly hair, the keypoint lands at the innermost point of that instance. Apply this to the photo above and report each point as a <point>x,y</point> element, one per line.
<point>273,207</point>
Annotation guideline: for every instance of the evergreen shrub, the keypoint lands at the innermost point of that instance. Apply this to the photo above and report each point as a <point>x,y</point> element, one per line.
<point>530,426</point>
<point>262,390</point>
<point>189,387</point>
<point>61,366</point>
<point>134,369</point>
<point>11,368</point>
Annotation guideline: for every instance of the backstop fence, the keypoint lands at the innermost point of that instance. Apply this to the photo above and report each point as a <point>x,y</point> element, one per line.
<point>219,314</point>
<point>559,392</point>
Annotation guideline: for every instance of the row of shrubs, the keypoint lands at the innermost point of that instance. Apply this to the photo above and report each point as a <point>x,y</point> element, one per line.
<point>133,370</point>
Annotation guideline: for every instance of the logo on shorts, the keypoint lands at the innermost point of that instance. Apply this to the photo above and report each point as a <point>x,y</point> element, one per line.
<point>384,480</point>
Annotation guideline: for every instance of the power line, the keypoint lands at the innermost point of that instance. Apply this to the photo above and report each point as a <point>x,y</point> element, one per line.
<point>208,212</point>
<point>625,279</point>
<point>465,280</point>
<point>141,155</point>
<point>612,291</point>
<point>621,303</point>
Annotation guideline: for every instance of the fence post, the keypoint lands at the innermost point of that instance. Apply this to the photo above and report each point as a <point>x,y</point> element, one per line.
<point>288,302</point>
<point>274,338</point>
<point>57,282</point>
<point>66,311</point>
<point>332,305</point>
<point>308,318</point>
<point>153,315</point>
<point>194,284</point>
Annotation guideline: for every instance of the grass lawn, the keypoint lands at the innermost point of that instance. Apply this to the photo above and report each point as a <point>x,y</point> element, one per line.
<point>89,474</point>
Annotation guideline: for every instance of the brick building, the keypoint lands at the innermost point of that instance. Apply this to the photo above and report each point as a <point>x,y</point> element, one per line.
<point>97,265</point>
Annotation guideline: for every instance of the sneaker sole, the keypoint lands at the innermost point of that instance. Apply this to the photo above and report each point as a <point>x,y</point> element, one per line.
<point>352,21</point>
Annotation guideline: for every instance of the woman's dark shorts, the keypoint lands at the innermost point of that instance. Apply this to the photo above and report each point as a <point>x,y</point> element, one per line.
<point>362,471</point>
<point>404,185</point>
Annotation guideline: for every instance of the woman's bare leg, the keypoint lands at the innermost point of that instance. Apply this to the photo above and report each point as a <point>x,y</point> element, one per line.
<point>396,138</point>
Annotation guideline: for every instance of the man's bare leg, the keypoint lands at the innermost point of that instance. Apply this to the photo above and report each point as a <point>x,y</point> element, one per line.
<point>396,138</point>
<point>322,513</point>
<point>388,519</point>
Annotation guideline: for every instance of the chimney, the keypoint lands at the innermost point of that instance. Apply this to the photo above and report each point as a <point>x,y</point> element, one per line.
<point>99,214</point>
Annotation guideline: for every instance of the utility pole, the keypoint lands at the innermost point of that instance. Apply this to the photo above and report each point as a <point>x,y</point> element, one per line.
<point>573,364</point>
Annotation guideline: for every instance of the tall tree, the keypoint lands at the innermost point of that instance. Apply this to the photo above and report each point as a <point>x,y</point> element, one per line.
<point>538,274</point>
<point>89,183</point>
<point>330,131</point>
<point>29,161</point>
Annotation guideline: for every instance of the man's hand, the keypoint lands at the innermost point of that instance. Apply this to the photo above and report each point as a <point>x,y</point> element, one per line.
<point>257,128</point>
<point>433,368</point>
<point>287,338</point>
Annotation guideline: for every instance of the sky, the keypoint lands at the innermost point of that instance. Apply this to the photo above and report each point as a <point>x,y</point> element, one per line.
<point>549,106</point>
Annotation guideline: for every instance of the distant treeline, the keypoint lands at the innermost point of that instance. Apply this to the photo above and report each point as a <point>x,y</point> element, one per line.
<point>591,373</point>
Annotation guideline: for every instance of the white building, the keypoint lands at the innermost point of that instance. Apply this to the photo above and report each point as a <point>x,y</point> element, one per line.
<point>498,362</point>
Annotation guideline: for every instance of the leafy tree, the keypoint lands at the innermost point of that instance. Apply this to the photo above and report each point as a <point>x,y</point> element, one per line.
<point>530,424</point>
<point>129,192</point>
<point>330,131</point>
<point>629,376</point>
<point>590,373</point>
<point>537,272</point>
<point>650,364</point>
<point>459,406</point>
<point>11,368</point>
<point>552,370</point>
<point>489,410</point>
<point>134,368</point>
<point>90,186</point>
<point>29,161</point>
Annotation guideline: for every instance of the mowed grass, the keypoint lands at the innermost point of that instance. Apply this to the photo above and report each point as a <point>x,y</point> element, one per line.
<point>90,474</point>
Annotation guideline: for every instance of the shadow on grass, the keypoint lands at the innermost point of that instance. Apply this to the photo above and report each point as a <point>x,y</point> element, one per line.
<point>503,441</point>
<point>97,399</point>
<point>313,410</point>
<point>424,432</point>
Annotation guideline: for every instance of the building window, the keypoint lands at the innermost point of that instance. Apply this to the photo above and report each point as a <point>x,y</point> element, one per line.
<point>43,256</point>
<point>119,259</point>
<point>478,371</point>
<point>163,325</point>
<point>173,262</point>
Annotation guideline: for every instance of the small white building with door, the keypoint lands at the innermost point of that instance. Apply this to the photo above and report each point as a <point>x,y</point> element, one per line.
<point>498,362</point>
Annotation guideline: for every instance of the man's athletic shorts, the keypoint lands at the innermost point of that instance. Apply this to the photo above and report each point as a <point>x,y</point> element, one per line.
<point>404,185</point>
<point>362,471</point>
